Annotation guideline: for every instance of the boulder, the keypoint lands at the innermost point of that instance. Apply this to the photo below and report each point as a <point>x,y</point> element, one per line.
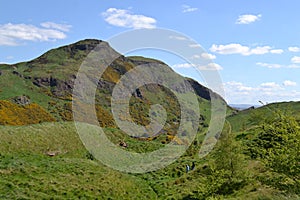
<point>21,100</point>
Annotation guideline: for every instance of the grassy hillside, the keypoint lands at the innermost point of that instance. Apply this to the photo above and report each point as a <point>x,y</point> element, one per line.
<point>42,157</point>
<point>48,81</point>
<point>27,169</point>
<point>27,172</point>
<point>12,85</point>
<point>251,117</point>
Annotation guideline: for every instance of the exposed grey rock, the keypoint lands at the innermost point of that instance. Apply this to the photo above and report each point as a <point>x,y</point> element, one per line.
<point>21,100</point>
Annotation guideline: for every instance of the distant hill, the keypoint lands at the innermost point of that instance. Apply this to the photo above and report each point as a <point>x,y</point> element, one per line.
<point>243,106</point>
<point>242,119</point>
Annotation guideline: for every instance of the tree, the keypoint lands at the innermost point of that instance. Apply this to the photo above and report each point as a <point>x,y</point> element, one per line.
<point>230,161</point>
<point>277,145</point>
<point>227,171</point>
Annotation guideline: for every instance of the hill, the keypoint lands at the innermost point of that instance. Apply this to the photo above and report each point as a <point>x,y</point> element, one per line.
<point>48,81</point>
<point>28,171</point>
<point>248,118</point>
<point>42,156</point>
<point>243,106</point>
<point>48,160</point>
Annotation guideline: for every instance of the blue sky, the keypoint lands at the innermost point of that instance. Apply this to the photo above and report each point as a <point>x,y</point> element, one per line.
<point>255,45</point>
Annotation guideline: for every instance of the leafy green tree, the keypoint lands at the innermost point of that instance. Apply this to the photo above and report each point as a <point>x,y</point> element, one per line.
<point>277,145</point>
<point>226,171</point>
<point>230,162</point>
<point>228,155</point>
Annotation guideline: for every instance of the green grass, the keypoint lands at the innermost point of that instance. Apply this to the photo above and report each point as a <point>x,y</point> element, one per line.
<point>12,85</point>
<point>30,176</point>
<point>26,172</point>
<point>141,58</point>
<point>39,138</point>
<point>246,119</point>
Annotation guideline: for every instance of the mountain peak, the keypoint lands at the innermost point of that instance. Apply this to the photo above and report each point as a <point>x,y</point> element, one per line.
<point>84,45</point>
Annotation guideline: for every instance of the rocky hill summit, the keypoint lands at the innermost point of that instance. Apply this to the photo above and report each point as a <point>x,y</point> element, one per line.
<point>48,81</point>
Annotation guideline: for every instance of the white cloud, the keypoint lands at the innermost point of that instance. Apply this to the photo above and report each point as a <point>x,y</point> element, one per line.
<point>272,65</point>
<point>196,56</point>
<point>11,34</point>
<point>270,86</point>
<point>209,66</point>
<point>7,41</point>
<point>293,66</point>
<point>234,48</point>
<point>247,19</point>
<point>269,65</point>
<point>195,45</point>
<point>187,8</point>
<point>289,83</point>
<point>239,87</point>
<point>229,49</point>
<point>183,65</point>
<point>276,51</point>
<point>123,18</point>
<point>295,59</point>
<point>294,49</point>
<point>9,57</point>
<point>237,92</point>
<point>175,37</point>
<point>260,50</point>
<point>208,56</point>
<point>61,27</point>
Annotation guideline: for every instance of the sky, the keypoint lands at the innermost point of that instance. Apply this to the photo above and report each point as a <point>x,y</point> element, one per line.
<point>254,45</point>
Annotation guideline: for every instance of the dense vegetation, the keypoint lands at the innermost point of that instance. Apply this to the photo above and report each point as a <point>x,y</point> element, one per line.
<point>13,114</point>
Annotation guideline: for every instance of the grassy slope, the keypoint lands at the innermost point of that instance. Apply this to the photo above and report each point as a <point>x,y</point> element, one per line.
<point>26,171</point>
<point>12,85</point>
<point>246,119</point>
<point>245,125</point>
